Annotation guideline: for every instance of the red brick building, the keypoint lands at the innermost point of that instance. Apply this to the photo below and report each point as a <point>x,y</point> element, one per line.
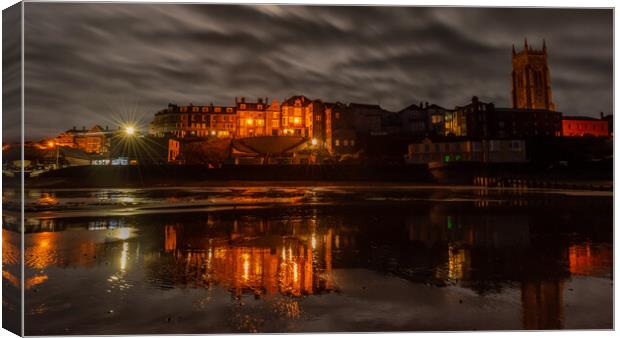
<point>579,126</point>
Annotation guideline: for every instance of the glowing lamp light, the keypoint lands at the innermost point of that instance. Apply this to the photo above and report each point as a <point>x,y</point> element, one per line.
<point>314,142</point>
<point>130,130</point>
<point>296,120</point>
<point>50,144</point>
<point>249,122</point>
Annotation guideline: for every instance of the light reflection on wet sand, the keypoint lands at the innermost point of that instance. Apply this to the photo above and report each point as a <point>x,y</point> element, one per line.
<point>450,262</point>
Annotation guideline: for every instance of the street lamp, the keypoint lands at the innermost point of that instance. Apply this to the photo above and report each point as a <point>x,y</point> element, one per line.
<point>129,130</point>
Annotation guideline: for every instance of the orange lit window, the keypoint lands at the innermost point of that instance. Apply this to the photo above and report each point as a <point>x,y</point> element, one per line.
<point>195,109</point>
<point>229,110</point>
<point>260,106</point>
<point>183,109</point>
<point>205,109</point>
<point>296,120</point>
<point>249,122</point>
<point>218,109</point>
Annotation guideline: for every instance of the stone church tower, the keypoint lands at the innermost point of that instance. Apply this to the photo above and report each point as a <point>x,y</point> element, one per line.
<point>531,82</point>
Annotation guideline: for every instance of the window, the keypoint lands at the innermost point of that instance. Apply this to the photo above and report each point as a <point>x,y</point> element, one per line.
<point>205,109</point>
<point>346,143</point>
<point>195,109</point>
<point>229,110</point>
<point>260,106</point>
<point>183,109</point>
<point>218,109</point>
<point>352,143</point>
<point>242,106</point>
<point>337,143</point>
<point>337,115</point>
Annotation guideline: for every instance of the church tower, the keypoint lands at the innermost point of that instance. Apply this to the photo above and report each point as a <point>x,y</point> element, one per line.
<point>531,82</point>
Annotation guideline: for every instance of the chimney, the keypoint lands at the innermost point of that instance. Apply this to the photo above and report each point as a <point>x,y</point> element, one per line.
<point>426,105</point>
<point>260,100</point>
<point>266,100</point>
<point>242,99</point>
<point>106,128</point>
<point>83,127</point>
<point>602,115</point>
<point>73,127</point>
<point>236,100</point>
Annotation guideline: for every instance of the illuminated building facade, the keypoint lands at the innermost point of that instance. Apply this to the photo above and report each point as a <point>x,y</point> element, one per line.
<point>578,126</point>
<point>531,82</point>
<point>92,141</point>
<point>194,121</point>
<point>296,116</point>
<point>256,118</point>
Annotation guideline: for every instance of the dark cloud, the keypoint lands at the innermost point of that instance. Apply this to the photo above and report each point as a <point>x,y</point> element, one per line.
<point>90,63</point>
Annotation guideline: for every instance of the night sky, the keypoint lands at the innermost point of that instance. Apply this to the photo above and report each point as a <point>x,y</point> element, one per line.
<point>90,63</point>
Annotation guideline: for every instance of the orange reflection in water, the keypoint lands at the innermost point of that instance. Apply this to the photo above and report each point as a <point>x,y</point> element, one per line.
<point>287,267</point>
<point>47,199</point>
<point>10,278</point>
<point>43,252</point>
<point>587,260</point>
<point>35,280</point>
<point>10,252</point>
<point>45,249</point>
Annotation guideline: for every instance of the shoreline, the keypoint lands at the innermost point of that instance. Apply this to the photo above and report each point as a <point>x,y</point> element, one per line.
<point>463,174</point>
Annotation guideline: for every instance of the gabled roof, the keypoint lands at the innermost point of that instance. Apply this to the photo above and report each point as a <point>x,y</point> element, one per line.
<point>291,100</point>
<point>410,107</point>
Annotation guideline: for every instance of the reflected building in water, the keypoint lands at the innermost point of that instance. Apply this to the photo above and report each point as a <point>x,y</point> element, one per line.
<point>249,253</point>
<point>253,259</point>
<point>491,251</point>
